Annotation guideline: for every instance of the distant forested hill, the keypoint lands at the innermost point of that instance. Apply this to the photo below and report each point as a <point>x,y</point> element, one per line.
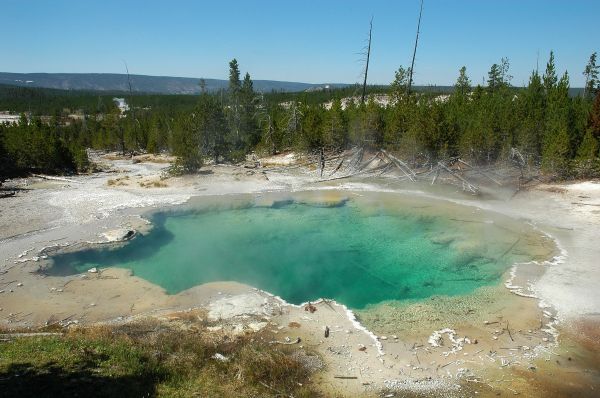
<point>140,83</point>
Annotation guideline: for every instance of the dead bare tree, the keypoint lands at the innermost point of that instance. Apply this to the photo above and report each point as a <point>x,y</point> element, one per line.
<point>364,88</point>
<point>135,135</point>
<point>412,64</point>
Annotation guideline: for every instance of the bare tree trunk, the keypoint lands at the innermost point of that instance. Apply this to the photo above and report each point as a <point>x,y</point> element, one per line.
<point>412,65</point>
<point>135,136</point>
<point>364,89</point>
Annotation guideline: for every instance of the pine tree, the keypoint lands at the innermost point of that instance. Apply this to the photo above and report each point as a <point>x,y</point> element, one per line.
<point>234,76</point>
<point>591,77</point>
<point>531,113</point>
<point>234,114</point>
<point>335,130</point>
<point>312,135</point>
<point>594,118</point>
<point>249,128</point>
<point>399,86</point>
<point>588,149</point>
<point>494,78</point>
<point>550,79</point>
<point>268,123</point>
<point>456,112</point>
<point>462,87</point>
<point>373,124</point>
<point>557,144</point>
<point>293,122</point>
<point>505,77</point>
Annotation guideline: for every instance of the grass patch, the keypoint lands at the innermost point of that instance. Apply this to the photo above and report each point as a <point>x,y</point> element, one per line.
<point>117,181</point>
<point>153,184</point>
<point>151,360</point>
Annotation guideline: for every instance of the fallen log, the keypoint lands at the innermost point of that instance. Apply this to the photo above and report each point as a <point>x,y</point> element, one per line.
<point>401,165</point>
<point>437,173</point>
<point>466,184</point>
<point>368,162</point>
<point>358,158</point>
<point>7,194</point>
<point>480,172</point>
<point>52,178</point>
<point>298,340</point>
<point>387,168</point>
<point>338,166</point>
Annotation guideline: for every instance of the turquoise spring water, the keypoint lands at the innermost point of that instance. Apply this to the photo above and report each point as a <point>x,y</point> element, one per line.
<point>353,253</point>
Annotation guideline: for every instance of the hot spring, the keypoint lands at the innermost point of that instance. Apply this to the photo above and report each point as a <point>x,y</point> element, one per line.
<point>357,248</point>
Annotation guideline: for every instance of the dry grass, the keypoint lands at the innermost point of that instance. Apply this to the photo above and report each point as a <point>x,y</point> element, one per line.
<point>153,184</point>
<point>151,358</point>
<point>154,158</point>
<point>555,189</point>
<point>120,181</point>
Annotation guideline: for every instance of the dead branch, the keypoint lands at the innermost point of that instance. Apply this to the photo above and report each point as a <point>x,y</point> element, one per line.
<point>52,178</point>
<point>480,172</point>
<point>437,173</point>
<point>509,333</point>
<point>401,165</point>
<point>412,65</point>
<point>364,88</point>
<point>466,184</point>
<point>298,340</point>
<point>338,166</point>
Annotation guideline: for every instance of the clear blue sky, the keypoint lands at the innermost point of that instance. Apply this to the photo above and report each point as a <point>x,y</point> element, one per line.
<point>302,40</point>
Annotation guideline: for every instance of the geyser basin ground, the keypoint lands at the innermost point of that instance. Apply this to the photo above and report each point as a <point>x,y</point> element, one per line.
<point>359,249</point>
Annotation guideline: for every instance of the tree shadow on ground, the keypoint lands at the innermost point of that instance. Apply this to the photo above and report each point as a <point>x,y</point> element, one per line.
<point>52,380</point>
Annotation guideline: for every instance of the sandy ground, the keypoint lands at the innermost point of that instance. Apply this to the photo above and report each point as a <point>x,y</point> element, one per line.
<point>493,341</point>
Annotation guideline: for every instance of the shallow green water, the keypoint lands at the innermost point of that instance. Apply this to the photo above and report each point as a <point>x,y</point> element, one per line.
<point>355,254</point>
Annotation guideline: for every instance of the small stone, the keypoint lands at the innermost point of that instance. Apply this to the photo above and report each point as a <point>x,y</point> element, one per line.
<point>19,284</point>
<point>495,337</point>
<point>220,357</point>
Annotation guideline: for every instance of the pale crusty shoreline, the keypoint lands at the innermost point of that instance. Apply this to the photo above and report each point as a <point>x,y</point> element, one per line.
<point>79,209</point>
